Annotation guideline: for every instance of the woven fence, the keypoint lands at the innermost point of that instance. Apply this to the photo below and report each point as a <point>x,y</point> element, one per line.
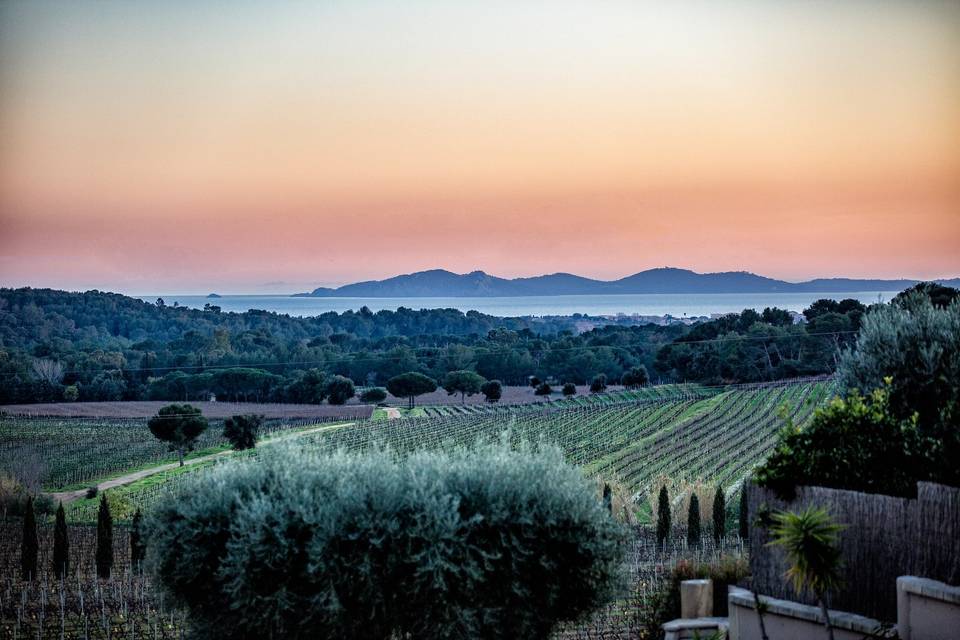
<point>885,537</point>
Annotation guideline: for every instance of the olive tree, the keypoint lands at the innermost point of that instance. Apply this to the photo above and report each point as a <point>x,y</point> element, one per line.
<point>484,543</point>
<point>912,350</point>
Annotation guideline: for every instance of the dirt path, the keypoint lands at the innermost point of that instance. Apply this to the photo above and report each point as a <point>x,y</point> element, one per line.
<point>69,496</point>
<point>392,412</point>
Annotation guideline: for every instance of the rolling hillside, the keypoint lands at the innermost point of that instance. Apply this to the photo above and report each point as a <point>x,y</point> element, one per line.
<point>682,432</point>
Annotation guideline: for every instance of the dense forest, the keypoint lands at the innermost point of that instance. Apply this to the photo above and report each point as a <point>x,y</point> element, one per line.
<point>57,346</point>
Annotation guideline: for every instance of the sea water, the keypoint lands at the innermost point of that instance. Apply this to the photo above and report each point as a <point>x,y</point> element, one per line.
<point>678,305</point>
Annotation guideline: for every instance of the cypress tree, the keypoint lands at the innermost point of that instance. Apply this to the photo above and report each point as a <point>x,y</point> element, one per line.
<point>137,547</point>
<point>663,516</point>
<point>61,545</point>
<point>608,498</point>
<point>693,521</point>
<point>744,515</point>
<point>719,516</point>
<point>104,538</point>
<point>29,547</point>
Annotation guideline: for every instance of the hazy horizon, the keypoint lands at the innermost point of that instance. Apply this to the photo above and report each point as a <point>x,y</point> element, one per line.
<point>281,289</point>
<point>207,146</point>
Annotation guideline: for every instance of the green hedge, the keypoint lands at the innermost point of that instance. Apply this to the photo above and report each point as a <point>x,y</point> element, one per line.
<point>853,443</point>
<point>488,543</point>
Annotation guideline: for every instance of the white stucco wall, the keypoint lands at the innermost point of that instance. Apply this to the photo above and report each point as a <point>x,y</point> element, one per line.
<point>786,620</point>
<point>927,609</point>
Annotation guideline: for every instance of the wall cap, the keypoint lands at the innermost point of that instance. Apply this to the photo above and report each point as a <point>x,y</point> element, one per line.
<point>789,609</point>
<point>929,588</point>
<point>683,624</point>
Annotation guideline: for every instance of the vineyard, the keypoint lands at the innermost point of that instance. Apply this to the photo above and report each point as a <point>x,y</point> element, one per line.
<point>660,393</point>
<point>692,435</point>
<point>698,433</point>
<point>63,453</point>
<point>126,606</point>
<point>81,606</point>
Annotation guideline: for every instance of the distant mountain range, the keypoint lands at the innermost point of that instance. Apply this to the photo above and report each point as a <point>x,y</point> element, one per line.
<point>445,284</point>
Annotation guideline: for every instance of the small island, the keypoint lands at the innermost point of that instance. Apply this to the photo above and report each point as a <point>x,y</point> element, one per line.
<point>214,295</point>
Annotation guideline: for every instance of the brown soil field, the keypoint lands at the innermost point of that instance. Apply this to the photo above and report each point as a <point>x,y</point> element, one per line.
<point>352,410</point>
<point>145,409</point>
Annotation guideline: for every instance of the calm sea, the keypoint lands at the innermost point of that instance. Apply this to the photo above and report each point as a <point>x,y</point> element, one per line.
<point>675,304</point>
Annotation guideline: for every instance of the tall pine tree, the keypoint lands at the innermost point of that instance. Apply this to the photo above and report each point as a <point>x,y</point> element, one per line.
<point>744,512</point>
<point>137,547</point>
<point>104,553</point>
<point>663,516</point>
<point>693,521</point>
<point>29,546</point>
<point>719,516</point>
<point>61,545</point>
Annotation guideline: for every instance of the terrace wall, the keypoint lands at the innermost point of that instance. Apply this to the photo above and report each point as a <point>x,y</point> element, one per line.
<point>886,537</point>
<point>786,620</point>
<point>928,610</point>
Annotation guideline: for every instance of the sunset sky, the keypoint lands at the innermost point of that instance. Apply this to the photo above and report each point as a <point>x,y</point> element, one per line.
<point>277,146</point>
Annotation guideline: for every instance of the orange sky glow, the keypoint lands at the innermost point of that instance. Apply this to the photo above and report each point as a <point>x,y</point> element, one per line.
<point>174,147</point>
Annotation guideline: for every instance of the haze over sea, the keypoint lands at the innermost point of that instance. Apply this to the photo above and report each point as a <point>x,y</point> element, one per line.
<point>653,304</point>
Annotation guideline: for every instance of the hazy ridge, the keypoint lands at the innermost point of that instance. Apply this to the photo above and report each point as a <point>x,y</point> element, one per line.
<point>442,283</point>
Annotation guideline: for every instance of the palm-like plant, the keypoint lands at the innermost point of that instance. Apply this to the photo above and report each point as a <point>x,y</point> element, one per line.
<point>809,539</point>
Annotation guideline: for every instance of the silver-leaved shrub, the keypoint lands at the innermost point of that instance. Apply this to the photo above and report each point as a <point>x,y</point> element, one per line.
<point>481,543</point>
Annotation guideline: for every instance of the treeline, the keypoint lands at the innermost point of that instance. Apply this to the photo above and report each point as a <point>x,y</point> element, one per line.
<point>57,346</point>
<point>752,347</point>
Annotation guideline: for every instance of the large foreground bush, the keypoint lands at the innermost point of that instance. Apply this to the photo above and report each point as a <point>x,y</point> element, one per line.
<point>490,543</point>
<point>913,350</point>
<point>899,422</point>
<point>853,443</point>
